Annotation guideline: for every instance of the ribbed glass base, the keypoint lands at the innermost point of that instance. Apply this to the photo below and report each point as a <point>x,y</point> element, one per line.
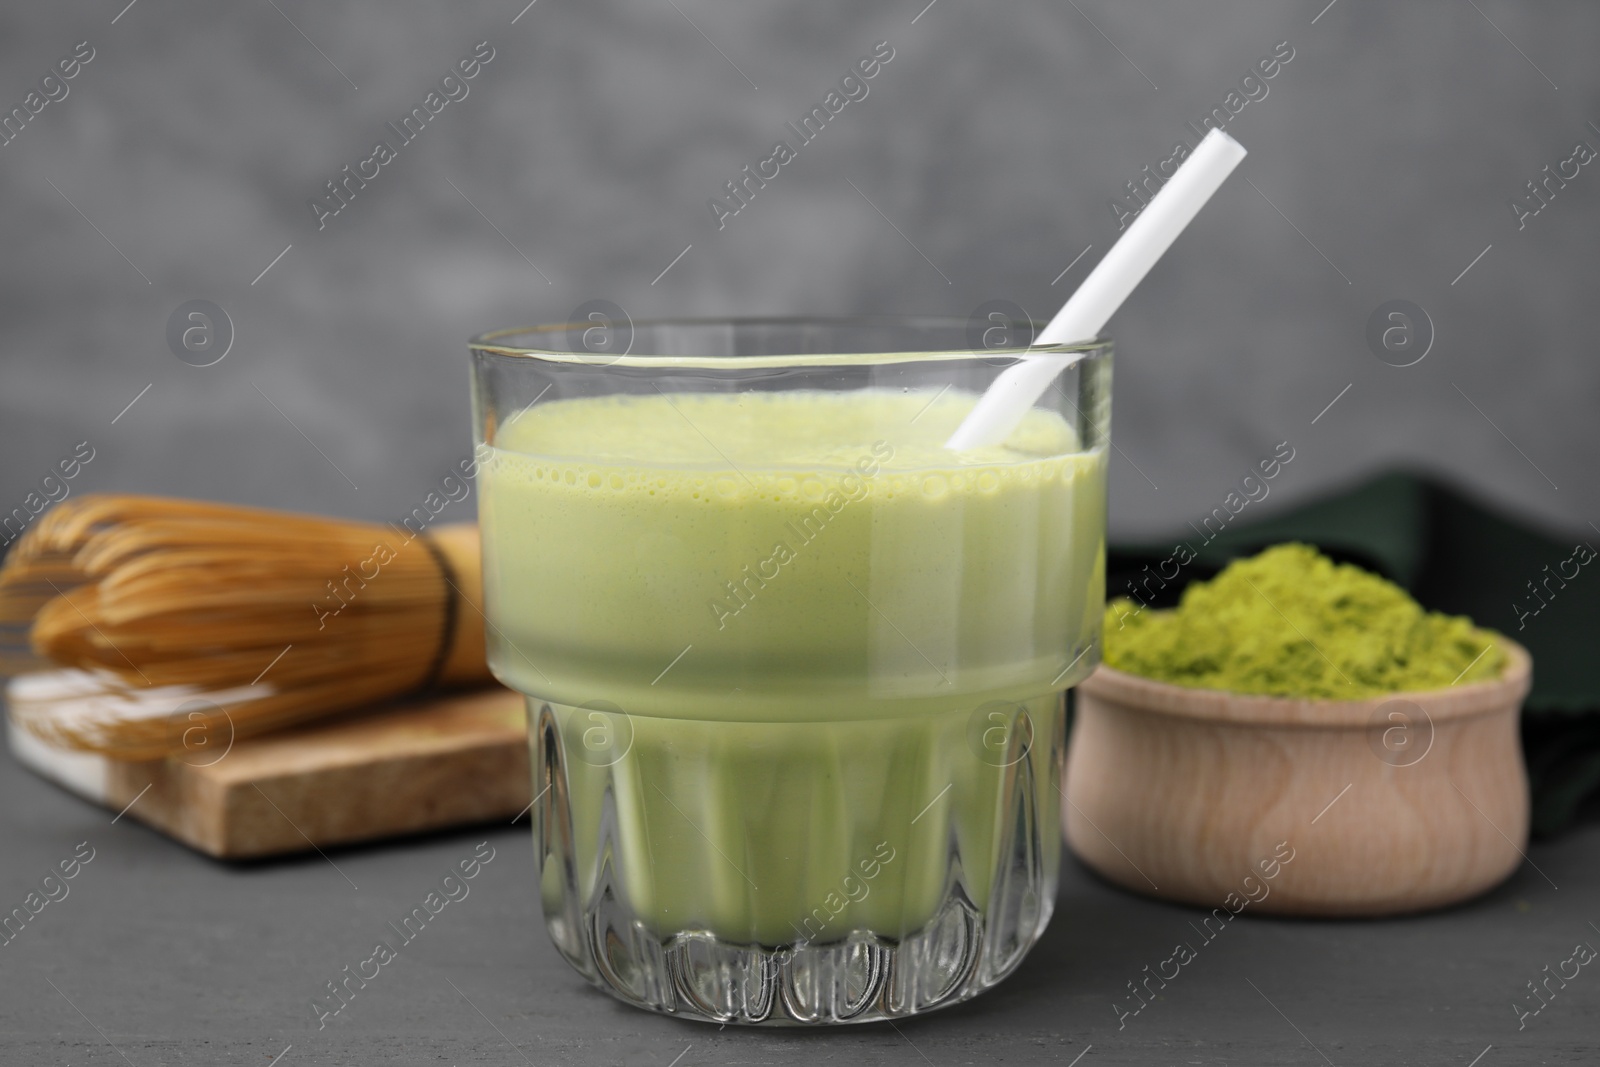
<point>883,947</point>
<point>863,978</point>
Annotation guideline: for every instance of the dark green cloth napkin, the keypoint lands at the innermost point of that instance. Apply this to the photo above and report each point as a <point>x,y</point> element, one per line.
<point>1455,555</point>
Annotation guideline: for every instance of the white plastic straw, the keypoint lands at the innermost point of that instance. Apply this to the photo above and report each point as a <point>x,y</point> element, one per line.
<point>1174,206</point>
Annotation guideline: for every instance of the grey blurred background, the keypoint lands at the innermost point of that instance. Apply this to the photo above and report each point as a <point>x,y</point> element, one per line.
<point>581,162</point>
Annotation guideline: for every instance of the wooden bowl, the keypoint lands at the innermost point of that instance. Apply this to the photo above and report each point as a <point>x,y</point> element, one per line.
<point>1390,805</point>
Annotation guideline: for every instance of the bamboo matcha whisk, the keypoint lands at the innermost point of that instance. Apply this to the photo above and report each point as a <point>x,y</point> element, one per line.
<point>183,615</point>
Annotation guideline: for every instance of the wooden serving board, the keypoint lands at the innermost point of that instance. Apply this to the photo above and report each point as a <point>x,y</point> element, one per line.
<point>416,766</point>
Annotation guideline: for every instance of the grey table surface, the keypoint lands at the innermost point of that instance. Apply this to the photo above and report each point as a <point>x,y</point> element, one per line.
<point>157,955</point>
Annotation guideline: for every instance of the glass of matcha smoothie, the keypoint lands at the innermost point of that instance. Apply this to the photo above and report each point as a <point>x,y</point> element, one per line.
<point>794,669</point>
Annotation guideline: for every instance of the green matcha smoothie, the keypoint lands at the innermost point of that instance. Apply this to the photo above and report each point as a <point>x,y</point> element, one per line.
<point>797,652</point>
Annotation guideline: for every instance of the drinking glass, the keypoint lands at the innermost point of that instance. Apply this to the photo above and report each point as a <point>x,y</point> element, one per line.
<point>794,670</point>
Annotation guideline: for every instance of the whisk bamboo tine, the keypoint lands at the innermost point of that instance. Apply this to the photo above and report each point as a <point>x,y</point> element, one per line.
<point>147,593</point>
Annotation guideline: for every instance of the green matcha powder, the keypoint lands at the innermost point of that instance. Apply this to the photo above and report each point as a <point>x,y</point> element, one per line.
<point>1290,622</point>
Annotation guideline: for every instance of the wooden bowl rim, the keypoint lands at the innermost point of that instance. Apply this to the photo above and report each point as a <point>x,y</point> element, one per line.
<point>1479,698</point>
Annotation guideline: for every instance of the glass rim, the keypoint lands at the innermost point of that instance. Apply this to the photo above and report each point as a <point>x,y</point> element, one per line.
<point>489,343</point>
